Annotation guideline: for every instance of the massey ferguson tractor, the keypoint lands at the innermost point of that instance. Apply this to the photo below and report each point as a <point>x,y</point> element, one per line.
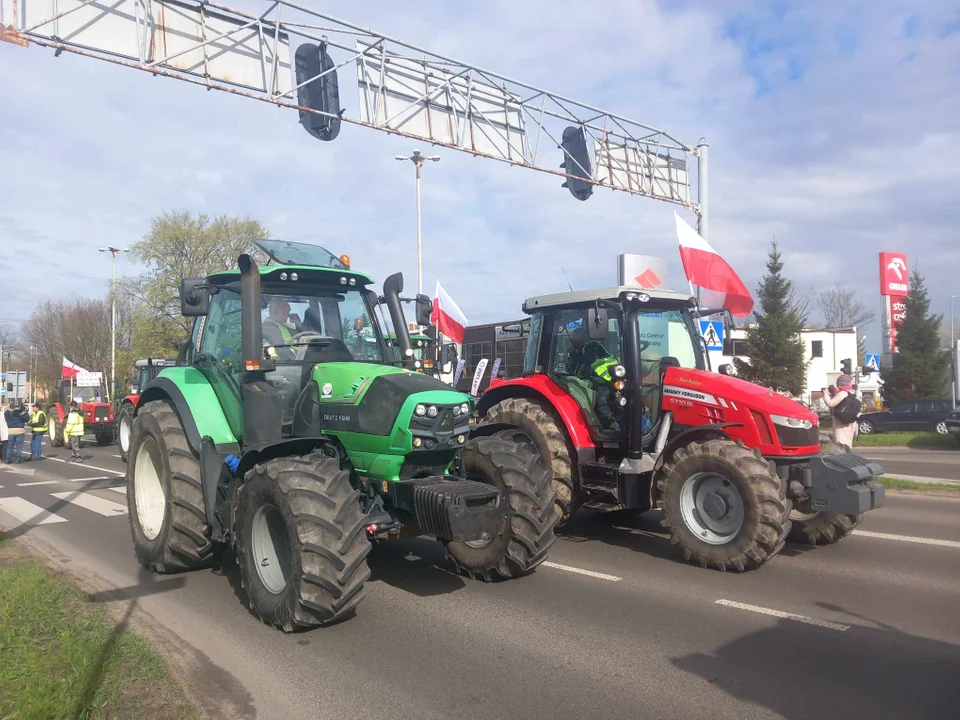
<point>92,401</point>
<point>270,435</point>
<point>618,399</point>
<point>145,372</point>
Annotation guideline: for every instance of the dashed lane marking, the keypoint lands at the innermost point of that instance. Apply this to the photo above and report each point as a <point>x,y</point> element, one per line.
<point>38,482</point>
<point>122,489</point>
<point>99,477</point>
<point>92,467</point>
<point>93,503</point>
<point>907,538</point>
<point>581,571</point>
<point>784,615</point>
<point>27,512</point>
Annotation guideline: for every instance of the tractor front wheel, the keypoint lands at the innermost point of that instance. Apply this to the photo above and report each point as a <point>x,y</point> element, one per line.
<point>164,495</point>
<point>822,528</point>
<point>54,428</point>
<point>533,510</point>
<point>104,438</point>
<point>124,429</point>
<point>723,505</point>
<point>301,542</point>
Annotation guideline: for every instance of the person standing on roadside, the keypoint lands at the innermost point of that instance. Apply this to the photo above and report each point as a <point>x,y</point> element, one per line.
<point>842,433</point>
<point>73,430</point>
<point>3,431</point>
<point>16,418</point>
<point>38,424</point>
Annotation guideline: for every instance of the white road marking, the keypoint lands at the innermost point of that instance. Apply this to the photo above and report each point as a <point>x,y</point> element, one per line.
<point>27,512</point>
<point>38,482</point>
<point>99,477</point>
<point>18,471</point>
<point>581,571</point>
<point>116,456</point>
<point>121,489</point>
<point>918,478</point>
<point>784,615</point>
<point>94,503</point>
<point>907,538</point>
<point>92,467</point>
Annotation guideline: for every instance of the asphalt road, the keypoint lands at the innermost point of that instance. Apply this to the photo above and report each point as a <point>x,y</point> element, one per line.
<point>867,628</point>
<point>907,463</point>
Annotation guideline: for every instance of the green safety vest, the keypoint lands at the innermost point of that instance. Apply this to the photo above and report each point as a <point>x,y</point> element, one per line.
<point>73,425</point>
<point>36,417</point>
<point>602,367</point>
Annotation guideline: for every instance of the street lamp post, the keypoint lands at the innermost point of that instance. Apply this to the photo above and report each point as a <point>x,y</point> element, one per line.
<point>417,159</point>
<point>954,353</point>
<point>113,316</point>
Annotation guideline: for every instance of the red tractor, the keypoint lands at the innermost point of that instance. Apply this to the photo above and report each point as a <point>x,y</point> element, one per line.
<point>145,371</point>
<point>97,412</point>
<point>618,398</point>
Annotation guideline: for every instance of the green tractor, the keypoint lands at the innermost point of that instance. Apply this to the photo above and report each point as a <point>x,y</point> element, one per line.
<point>276,436</point>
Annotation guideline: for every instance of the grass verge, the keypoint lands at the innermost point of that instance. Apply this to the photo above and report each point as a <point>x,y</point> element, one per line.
<point>908,439</point>
<point>62,656</point>
<point>898,484</point>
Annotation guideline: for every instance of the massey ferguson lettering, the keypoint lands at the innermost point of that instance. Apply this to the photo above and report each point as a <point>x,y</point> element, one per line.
<point>695,395</point>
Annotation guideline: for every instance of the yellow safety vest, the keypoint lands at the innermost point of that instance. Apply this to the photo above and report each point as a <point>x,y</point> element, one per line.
<point>74,424</point>
<point>284,330</point>
<point>35,417</point>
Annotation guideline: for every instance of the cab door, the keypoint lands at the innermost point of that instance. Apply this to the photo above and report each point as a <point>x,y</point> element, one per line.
<point>219,356</point>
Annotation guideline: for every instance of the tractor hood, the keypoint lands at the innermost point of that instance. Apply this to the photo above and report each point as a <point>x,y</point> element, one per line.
<point>694,384</point>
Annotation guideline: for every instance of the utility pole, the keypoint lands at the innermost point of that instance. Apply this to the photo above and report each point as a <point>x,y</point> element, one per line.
<point>955,353</point>
<point>113,317</point>
<point>417,159</point>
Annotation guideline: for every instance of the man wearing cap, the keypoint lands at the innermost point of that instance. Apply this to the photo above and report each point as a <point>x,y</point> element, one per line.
<point>592,362</point>
<point>38,424</point>
<point>73,430</point>
<point>842,433</point>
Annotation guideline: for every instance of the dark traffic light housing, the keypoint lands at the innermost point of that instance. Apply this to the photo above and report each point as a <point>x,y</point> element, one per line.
<point>576,162</point>
<point>846,366</point>
<point>323,95</point>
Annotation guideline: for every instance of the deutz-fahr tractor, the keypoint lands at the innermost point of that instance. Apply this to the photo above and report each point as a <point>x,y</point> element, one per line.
<point>92,401</point>
<point>618,399</point>
<point>145,372</point>
<point>272,437</point>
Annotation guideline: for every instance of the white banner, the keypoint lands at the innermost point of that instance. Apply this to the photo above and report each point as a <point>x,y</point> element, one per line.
<point>88,379</point>
<point>478,376</point>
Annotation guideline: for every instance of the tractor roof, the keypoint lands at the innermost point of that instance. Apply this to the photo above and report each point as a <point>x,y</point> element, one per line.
<point>582,297</point>
<point>310,273</point>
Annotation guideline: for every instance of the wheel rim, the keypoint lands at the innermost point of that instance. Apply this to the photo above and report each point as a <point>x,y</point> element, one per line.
<point>711,507</point>
<point>52,429</point>
<point>866,428</point>
<point>942,427</point>
<point>124,433</point>
<point>148,488</point>
<point>271,548</point>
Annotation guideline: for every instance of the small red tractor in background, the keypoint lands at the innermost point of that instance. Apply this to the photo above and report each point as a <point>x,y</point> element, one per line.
<point>97,412</point>
<point>144,372</point>
<point>618,399</point>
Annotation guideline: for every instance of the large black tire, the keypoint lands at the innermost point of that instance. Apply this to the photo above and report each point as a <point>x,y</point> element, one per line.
<point>164,496</point>
<point>822,528</point>
<point>105,438</point>
<point>537,425</point>
<point>762,496</point>
<point>312,525</point>
<point>533,510</point>
<point>54,428</point>
<point>124,429</point>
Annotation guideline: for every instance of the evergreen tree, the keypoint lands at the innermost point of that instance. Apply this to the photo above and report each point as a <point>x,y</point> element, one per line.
<point>920,368</point>
<point>773,343</point>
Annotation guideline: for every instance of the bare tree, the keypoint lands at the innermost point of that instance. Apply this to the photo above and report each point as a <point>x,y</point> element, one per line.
<point>8,334</point>
<point>801,302</point>
<point>841,309</point>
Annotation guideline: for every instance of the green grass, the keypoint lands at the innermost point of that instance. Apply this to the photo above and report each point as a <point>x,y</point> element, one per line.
<point>62,656</point>
<point>919,440</point>
<point>898,484</point>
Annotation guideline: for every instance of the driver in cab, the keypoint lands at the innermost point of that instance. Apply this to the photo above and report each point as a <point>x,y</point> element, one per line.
<point>592,362</point>
<point>279,327</point>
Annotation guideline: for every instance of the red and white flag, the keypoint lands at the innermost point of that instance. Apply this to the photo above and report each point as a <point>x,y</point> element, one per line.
<point>70,370</point>
<point>720,286</point>
<point>447,316</point>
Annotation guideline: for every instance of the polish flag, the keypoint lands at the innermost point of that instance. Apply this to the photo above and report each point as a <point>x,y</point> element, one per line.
<point>448,318</point>
<point>720,286</point>
<point>70,370</point>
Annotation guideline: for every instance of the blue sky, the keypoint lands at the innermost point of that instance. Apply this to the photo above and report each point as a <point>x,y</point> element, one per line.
<point>833,126</point>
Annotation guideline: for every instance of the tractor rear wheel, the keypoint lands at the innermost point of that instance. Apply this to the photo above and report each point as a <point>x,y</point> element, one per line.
<point>532,513</point>
<point>301,542</point>
<point>822,528</point>
<point>164,495</point>
<point>104,438</point>
<point>54,428</point>
<point>537,425</point>
<point>124,429</point>
<point>723,505</point>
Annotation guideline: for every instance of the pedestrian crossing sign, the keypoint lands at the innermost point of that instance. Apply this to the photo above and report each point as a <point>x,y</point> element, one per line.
<point>871,361</point>
<point>712,333</point>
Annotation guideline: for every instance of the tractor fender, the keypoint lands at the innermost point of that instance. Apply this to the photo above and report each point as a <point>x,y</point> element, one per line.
<point>551,395</point>
<point>699,434</point>
<point>290,448</point>
<point>212,421</point>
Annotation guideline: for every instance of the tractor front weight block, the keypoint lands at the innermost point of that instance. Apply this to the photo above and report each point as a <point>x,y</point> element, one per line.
<point>845,483</point>
<point>450,508</point>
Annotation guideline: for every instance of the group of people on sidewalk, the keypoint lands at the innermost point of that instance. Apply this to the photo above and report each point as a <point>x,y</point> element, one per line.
<point>16,420</point>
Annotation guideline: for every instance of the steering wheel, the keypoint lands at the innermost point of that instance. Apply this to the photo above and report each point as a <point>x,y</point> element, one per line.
<point>301,347</point>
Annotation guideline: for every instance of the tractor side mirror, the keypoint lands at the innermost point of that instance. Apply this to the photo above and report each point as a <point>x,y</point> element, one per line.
<point>597,325</point>
<point>424,309</point>
<point>448,354</point>
<point>194,297</point>
<point>726,369</point>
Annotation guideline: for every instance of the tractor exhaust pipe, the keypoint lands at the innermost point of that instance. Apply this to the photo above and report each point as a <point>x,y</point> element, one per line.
<point>392,287</point>
<point>262,405</point>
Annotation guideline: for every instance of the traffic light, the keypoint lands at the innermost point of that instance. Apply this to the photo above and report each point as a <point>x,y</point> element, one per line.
<point>324,94</point>
<point>846,366</point>
<point>576,162</point>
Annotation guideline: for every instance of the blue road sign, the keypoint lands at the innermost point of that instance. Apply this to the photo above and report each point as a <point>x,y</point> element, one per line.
<point>871,361</point>
<point>712,333</point>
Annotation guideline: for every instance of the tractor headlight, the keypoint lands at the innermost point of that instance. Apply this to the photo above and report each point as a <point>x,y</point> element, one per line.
<point>623,401</point>
<point>417,442</point>
<point>791,422</point>
<point>464,409</point>
<point>432,411</point>
<point>619,371</point>
<point>420,410</point>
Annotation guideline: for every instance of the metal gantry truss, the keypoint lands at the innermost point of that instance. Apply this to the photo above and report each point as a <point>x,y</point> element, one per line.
<point>401,89</point>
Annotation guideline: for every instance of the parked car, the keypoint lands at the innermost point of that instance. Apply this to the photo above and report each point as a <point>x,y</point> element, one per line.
<point>912,415</point>
<point>953,423</point>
